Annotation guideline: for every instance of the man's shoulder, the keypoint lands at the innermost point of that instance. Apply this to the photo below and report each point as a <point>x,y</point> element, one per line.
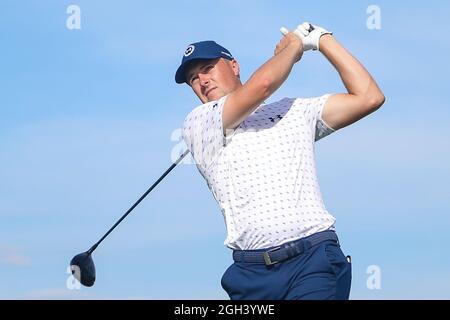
<point>280,101</point>
<point>312,99</point>
<point>299,102</point>
<point>204,108</point>
<point>290,101</point>
<point>197,111</point>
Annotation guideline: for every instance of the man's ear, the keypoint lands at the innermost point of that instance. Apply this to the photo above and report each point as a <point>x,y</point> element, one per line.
<point>236,68</point>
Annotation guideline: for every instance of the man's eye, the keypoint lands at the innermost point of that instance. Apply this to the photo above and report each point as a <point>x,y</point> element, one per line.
<point>193,79</point>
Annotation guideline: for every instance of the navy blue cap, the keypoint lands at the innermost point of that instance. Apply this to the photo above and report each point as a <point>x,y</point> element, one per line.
<point>200,50</point>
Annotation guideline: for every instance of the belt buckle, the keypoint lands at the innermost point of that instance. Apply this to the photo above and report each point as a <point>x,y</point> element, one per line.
<point>267,260</point>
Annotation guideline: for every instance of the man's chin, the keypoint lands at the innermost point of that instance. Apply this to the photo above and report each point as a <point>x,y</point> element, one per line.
<point>215,97</point>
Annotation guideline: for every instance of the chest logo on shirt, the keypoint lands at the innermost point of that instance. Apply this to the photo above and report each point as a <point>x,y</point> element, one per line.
<point>278,117</point>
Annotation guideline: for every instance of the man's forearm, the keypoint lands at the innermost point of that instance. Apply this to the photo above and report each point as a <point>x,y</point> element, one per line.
<point>265,81</point>
<point>355,77</point>
<point>276,70</point>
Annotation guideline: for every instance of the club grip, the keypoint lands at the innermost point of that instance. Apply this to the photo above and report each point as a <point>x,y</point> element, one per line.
<point>284,31</point>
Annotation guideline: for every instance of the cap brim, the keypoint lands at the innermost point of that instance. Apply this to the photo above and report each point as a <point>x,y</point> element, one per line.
<point>180,76</point>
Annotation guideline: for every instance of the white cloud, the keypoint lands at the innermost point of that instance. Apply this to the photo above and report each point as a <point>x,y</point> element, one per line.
<point>54,293</point>
<point>11,255</point>
<point>383,141</point>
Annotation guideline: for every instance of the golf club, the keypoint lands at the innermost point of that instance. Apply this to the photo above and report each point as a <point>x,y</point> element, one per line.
<point>82,265</point>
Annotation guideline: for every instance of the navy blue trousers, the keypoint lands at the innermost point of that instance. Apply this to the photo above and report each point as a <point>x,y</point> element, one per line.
<point>322,272</point>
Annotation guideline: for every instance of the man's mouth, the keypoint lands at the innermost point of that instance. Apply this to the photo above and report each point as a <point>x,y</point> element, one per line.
<point>209,91</point>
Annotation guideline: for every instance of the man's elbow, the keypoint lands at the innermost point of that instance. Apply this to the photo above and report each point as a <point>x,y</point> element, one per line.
<point>376,100</point>
<point>266,87</point>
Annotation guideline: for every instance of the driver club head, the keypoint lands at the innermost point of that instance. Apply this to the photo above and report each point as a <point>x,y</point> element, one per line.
<point>83,269</point>
<point>82,265</point>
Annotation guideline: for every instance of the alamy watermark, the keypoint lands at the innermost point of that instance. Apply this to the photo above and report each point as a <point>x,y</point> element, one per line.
<point>374,19</point>
<point>73,21</point>
<point>374,279</point>
<point>212,142</point>
<point>72,283</point>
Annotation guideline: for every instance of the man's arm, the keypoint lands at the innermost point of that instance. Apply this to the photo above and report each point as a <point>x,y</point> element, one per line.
<point>266,80</point>
<point>363,97</point>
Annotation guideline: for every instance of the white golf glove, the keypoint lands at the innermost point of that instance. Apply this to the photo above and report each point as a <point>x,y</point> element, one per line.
<point>309,34</point>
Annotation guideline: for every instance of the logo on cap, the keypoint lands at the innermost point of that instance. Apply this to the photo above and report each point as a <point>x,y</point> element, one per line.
<point>189,50</point>
<point>227,54</point>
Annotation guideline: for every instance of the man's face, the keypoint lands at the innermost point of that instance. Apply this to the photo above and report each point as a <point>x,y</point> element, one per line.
<point>213,79</point>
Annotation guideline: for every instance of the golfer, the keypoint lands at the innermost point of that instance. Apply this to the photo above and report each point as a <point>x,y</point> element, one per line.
<point>258,161</point>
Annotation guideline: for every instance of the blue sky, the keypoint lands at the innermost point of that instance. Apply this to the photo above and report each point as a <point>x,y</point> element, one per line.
<point>89,119</point>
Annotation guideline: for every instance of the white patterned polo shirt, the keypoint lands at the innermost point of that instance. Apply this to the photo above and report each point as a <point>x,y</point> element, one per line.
<point>263,174</point>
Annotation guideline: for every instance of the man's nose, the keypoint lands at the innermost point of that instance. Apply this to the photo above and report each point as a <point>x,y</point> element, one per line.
<point>204,79</point>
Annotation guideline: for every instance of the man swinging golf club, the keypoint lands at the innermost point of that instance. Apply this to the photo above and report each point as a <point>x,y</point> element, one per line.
<point>258,161</point>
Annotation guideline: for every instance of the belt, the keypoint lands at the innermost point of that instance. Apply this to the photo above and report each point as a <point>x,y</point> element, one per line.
<point>285,251</point>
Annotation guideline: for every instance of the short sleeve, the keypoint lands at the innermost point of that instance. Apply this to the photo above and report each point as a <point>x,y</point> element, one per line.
<point>203,133</point>
<point>312,111</point>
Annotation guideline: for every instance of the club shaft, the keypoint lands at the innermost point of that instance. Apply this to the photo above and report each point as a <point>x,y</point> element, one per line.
<point>138,201</point>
